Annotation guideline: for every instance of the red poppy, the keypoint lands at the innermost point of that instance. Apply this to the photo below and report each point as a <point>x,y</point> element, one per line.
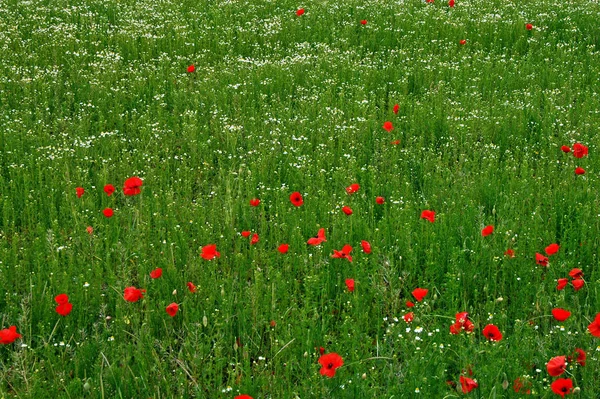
<point>529,27</point>
<point>492,332</point>
<point>108,212</point>
<point>541,260</point>
<point>594,327</point>
<point>565,149</point>
<point>409,304</point>
<point>321,350</point>
<point>578,284</point>
<point>156,273</point>
<point>510,253</point>
<point>363,22</point>
<point>395,142</point>
<point>243,397</point>
<point>429,215</point>
<point>556,366</point>
<point>209,252</point>
<point>380,200</point>
<point>9,335</point>
<point>296,198</point>
<point>79,191</point>
<point>89,229</point>
<point>579,171</point>
<point>351,189</point>
<point>396,108</point>
<point>191,69</point>
<point>172,309</point>
<point>109,189</point>
<point>451,3</point>
<point>462,42</point>
<point>344,253</point>
<point>132,294</point>
<point>132,186</point>
<point>409,317</point>
<point>487,230</point>
<point>562,386</point>
<point>254,202</point>
<point>64,307</point>
<point>420,293</point>
<point>347,210</point>
<point>552,249</point>
<point>581,357</point>
<point>560,314</point>
<point>462,323</point>
<point>467,384</point>
<point>246,233</point>
<point>562,283</point>
<point>576,273</point>
<point>318,239</point>
<point>350,284</point>
<point>272,323</point>
<point>579,150</point>
<point>429,1</point>
<point>191,287</point>
<point>522,386</point>
<point>329,363</point>
<point>300,11</point>
<point>366,246</point>
<point>254,239</point>
<point>283,248</point>
<point>387,126</point>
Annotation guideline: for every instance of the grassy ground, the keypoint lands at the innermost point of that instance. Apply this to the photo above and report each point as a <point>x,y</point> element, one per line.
<point>94,92</point>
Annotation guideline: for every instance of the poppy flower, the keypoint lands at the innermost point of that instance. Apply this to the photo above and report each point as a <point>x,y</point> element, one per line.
<point>90,230</point>
<point>429,215</point>
<point>209,252</point>
<point>492,333</point>
<point>396,108</point>
<point>108,212</point>
<point>79,191</point>
<point>300,11</point>
<point>409,317</point>
<point>565,149</point>
<point>283,248</point>
<point>351,189</point>
<point>462,42</point>
<point>254,202</point>
<point>321,350</point>
<point>320,238</point>
<point>409,304</point>
<point>451,3</point>
<point>388,127</point>
<point>487,230</point>
<point>522,386</point>
<point>576,273</point>
<point>191,69</point>
<point>552,249</point>
<point>578,284</point>
<point>510,253</point>
<point>561,314</point>
<point>350,284</point>
<point>462,323</point>
<point>562,386</point>
<point>344,253</point>
<point>594,327</point>
<point>541,260</point>
<point>330,362</point>
<point>363,22</point>
<point>419,293</point>
<point>254,239</point>
<point>347,210</point>
<point>556,366</point>
<point>528,26</point>
<point>380,200</point>
<point>579,171</point>
<point>395,142</point>
<point>579,150</point>
<point>243,397</point>
<point>581,356</point>
<point>109,189</point>
<point>172,309</point>
<point>296,199</point>
<point>467,384</point>
<point>156,273</point>
<point>9,335</point>
<point>132,186</point>
<point>366,246</point>
<point>562,283</point>
<point>64,307</point>
<point>246,233</point>
<point>191,287</point>
<point>132,294</point>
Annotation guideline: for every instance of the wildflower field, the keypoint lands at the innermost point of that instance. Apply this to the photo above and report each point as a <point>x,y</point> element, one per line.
<point>272,199</point>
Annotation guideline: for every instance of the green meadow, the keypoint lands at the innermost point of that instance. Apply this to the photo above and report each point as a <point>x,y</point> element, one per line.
<point>94,92</point>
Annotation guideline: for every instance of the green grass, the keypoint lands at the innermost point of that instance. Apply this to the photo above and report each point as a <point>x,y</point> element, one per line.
<point>94,92</point>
